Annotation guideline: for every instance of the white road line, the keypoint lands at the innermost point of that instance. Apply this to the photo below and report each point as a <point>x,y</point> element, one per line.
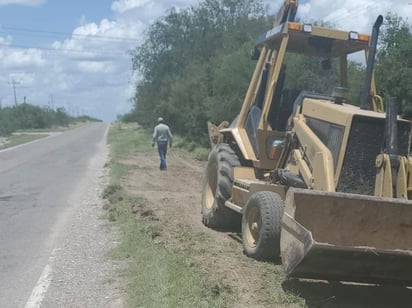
<point>39,292</point>
<point>27,143</point>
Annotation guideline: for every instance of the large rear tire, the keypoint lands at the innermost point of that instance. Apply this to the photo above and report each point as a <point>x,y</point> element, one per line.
<point>261,226</point>
<point>217,188</point>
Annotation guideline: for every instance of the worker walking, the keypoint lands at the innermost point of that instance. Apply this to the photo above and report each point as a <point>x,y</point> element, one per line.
<point>162,136</point>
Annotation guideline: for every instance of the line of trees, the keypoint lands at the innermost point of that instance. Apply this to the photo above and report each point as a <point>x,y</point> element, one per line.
<point>394,65</point>
<point>195,65</point>
<point>27,116</point>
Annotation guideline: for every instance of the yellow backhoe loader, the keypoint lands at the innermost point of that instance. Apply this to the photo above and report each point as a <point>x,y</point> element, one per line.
<point>322,184</point>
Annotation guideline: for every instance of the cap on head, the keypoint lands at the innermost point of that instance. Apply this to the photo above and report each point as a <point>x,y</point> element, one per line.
<point>159,120</point>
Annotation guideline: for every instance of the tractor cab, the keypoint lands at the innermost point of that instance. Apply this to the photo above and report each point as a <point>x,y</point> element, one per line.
<point>292,57</point>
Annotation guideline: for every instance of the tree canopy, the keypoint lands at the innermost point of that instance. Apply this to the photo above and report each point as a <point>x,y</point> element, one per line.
<point>394,66</point>
<point>27,116</point>
<point>195,65</point>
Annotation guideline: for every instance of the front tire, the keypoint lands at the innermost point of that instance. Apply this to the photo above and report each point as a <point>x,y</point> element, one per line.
<point>217,188</point>
<point>261,226</point>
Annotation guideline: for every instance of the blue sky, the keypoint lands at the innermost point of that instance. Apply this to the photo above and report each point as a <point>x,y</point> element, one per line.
<point>54,15</point>
<point>73,54</point>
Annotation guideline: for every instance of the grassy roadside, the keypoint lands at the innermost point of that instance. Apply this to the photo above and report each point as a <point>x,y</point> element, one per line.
<point>184,274</point>
<point>25,136</point>
<point>14,140</point>
<point>156,277</point>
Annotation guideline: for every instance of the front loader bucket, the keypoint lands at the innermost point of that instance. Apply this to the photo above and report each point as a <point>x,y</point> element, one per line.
<point>347,237</point>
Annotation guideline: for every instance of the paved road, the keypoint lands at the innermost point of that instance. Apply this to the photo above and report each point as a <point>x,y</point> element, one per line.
<point>38,182</point>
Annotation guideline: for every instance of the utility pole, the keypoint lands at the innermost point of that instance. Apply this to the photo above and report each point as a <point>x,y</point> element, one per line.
<point>51,102</point>
<point>14,82</point>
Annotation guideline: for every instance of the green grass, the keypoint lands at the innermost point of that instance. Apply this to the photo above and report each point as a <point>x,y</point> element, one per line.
<point>14,140</point>
<point>28,135</point>
<point>124,140</point>
<point>198,152</point>
<point>156,277</point>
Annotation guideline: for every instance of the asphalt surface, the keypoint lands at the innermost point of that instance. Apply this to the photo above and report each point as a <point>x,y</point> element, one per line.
<point>50,230</point>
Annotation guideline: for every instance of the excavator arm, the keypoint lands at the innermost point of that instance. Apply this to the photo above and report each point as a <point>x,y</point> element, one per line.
<point>287,12</point>
<point>316,165</point>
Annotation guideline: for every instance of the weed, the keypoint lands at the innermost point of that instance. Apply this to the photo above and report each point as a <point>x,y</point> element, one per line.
<point>201,154</point>
<point>111,190</point>
<point>157,277</point>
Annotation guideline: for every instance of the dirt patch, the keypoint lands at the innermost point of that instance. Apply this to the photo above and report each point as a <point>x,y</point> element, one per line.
<point>173,206</point>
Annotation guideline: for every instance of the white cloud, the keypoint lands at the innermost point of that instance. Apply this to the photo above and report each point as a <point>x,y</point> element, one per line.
<point>352,14</point>
<point>5,41</point>
<point>28,79</point>
<point>91,70</point>
<point>21,58</point>
<point>147,10</point>
<point>23,2</point>
<point>95,67</point>
<point>122,6</point>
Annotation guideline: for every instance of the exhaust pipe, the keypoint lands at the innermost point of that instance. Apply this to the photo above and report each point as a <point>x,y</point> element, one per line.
<point>391,132</point>
<point>365,95</point>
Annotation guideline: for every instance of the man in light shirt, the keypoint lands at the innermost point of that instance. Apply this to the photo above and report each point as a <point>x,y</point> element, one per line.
<point>162,136</point>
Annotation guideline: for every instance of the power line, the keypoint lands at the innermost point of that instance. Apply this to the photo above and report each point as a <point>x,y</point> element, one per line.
<point>57,33</point>
<point>353,11</point>
<point>89,38</point>
<point>90,52</point>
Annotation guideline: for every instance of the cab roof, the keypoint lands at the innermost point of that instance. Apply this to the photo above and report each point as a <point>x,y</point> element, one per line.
<point>319,41</point>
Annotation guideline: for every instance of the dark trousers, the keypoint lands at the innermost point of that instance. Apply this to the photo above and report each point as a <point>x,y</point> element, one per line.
<point>162,148</point>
